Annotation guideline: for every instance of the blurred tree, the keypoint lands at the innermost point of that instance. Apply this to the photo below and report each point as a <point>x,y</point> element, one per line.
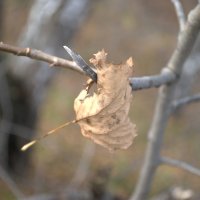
<point>49,26</point>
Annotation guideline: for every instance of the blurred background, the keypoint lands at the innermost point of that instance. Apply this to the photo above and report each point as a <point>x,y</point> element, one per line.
<point>35,98</point>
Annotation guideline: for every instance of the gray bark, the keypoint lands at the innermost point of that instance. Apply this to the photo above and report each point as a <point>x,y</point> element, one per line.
<point>185,44</point>
<point>190,73</point>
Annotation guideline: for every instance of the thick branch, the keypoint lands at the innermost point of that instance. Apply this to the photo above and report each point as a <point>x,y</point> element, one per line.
<point>180,13</point>
<point>167,76</point>
<point>180,164</point>
<point>184,101</point>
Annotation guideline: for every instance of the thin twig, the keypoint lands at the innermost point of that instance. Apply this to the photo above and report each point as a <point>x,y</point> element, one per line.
<point>165,77</point>
<point>177,104</point>
<point>39,55</point>
<point>180,13</point>
<point>180,164</point>
<point>11,184</point>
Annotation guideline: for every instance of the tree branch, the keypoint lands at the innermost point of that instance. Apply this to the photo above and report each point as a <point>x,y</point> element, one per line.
<point>180,164</point>
<point>185,44</point>
<point>165,77</point>
<point>39,55</point>
<point>180,13</point>
<point>177,104</point>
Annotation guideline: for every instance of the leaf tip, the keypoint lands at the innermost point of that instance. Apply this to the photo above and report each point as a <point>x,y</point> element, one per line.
<point>129,62</point>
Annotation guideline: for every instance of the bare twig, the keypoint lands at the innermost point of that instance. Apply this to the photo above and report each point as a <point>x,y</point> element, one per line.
<point>10,184</point>
<point>185,44</point>
<point>39,55</point>
<point>180,13</point>
<point>165,77</point>
<point>180,164</point>
<point>186,100</point>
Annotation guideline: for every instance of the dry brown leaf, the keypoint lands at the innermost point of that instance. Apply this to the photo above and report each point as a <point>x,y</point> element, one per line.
<point>104,114</point>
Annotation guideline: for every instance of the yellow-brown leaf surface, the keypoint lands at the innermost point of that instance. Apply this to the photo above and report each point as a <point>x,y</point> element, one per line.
<point>104,114</point>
